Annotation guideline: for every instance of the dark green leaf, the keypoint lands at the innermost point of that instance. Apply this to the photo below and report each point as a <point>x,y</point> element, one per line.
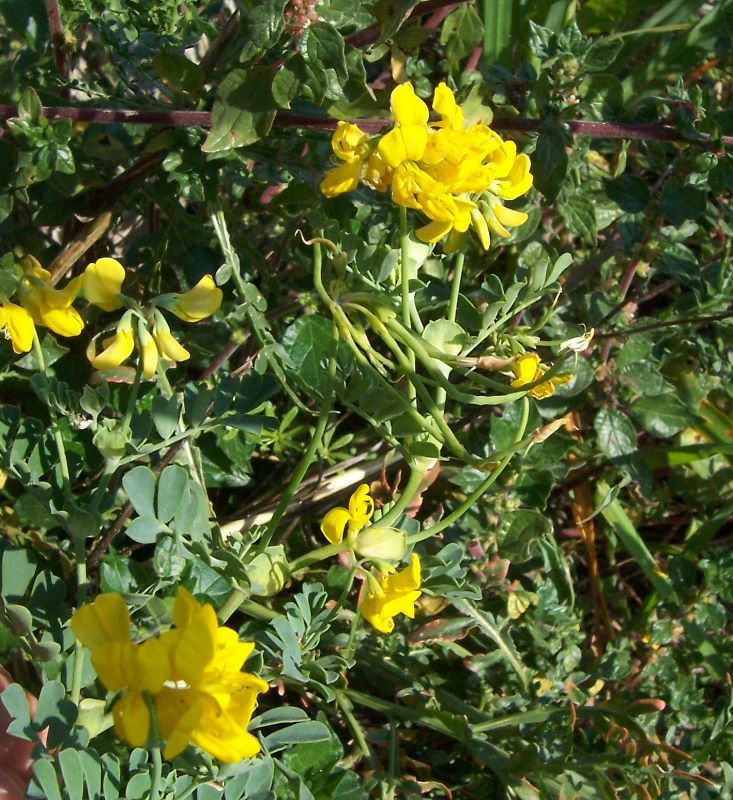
<point>616,434</point>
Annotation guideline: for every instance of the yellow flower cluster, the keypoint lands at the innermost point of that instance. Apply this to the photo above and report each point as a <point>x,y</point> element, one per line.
<point>527,369</point>
<point>190,676</point>
<point>397,592</point>
<point>40,304</point>
<point>102,286</point>
<point>458,176</point>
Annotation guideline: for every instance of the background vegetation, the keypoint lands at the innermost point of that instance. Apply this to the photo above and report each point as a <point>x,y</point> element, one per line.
<point>574,635</point>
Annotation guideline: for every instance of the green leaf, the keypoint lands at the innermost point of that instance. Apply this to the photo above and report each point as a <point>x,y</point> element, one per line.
<point>16,704</point>
<point>622,526</point>
<point>680,202</point>
<point>172,487</point>
<point>144,529</point>
<point>322,47</point>
<point>30,107</point>
<point>299,733</point>
<point>663,415</point>
<point>579,215</point>
<point>177,72</point>
<point>550,161</point>
<point>630,192</point>
<point>461,31</point>
<point>165,415</point>
<point>45,781</point>
<point>616,434</point>
<point>307,342</point>
<point>526,526</point>
<point>277,716</point>
<point>139,483</point>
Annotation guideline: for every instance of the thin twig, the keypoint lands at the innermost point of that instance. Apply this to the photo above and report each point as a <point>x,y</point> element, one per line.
<point>699,320</point>
<point>644,131</point>
<point>57,40</point>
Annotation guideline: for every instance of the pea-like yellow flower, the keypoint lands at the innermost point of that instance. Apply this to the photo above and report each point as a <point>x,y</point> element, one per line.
<point>17,325</point>
<point>49,307</point>
<point>355,517</point>
<point>211,701</point>
<point>117,348</point>
<point>104,627</point>
<point>198,303</point>
<point>397,595</point>
<point>528,368</point>
<point>444,169</point>
<point>191,674</point>
<point>148,350</point>
<point>168,346</point>
<point>102,283</point>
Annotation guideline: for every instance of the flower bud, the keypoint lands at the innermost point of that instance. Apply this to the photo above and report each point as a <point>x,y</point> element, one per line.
<point>388,544</point>
<point>268,572</point>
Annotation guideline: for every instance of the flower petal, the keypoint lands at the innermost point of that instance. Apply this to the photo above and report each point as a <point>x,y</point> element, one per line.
<point>334,524</point>
<point>102,283</point>
<point>132,719</point>
<point>407,108</point>
<point>198,303</point>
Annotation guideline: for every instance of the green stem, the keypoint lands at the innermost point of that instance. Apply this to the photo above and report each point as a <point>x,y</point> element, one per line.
<point>455,515</point>
<point>234,601</point>
<point>132,399</point>
<point>318,274</point>
<point>455,288</point>
<point>311,450</point>
<point>58,438</point>
<point>81,598</point>
<point>157,770</point>
<point>405,287</point>
<point>345,705</point>
<point>406,496</point>
<point>319,554</point>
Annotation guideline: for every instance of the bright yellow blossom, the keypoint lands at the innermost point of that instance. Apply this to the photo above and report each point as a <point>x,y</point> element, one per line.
<point>167,344</point>
<point>198,303</point>
<point>17,325</point>
<point>443,169</point>
<point>191,674</point>
<point>117,348</point>
<point>47,306</point>
<point>397,595</point>
<point>527,369</point>
<point>102,283</point>
<point>217,697</point>
<point>355,517</point>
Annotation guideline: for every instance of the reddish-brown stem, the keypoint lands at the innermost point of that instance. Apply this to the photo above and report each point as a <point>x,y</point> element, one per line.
<point>57,41</point>
<point>647,131</point>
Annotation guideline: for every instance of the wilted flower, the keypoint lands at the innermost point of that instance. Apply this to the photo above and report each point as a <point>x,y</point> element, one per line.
<point>385,544</point>
<point>397,595</point>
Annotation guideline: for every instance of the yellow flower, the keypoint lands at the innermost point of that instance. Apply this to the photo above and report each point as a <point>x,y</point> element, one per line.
<point>441,168</point>
<point>198,303</point>
<point>527,369</point>
<point>356,516</point>
<point>102,283</point>
<point>397,595</point>
<point>347,144</point>
<point>191,673</point>
<point>117,348</point>
<point>104,627</point>
<point>149,350</point>
<point>48,306</point>
<point>211,700</point>
<point>17,325</point>
<point>168,346</point>
<point>408,139</point>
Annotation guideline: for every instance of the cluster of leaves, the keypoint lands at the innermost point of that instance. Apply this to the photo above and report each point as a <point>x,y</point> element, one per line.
<point>574,635</point>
